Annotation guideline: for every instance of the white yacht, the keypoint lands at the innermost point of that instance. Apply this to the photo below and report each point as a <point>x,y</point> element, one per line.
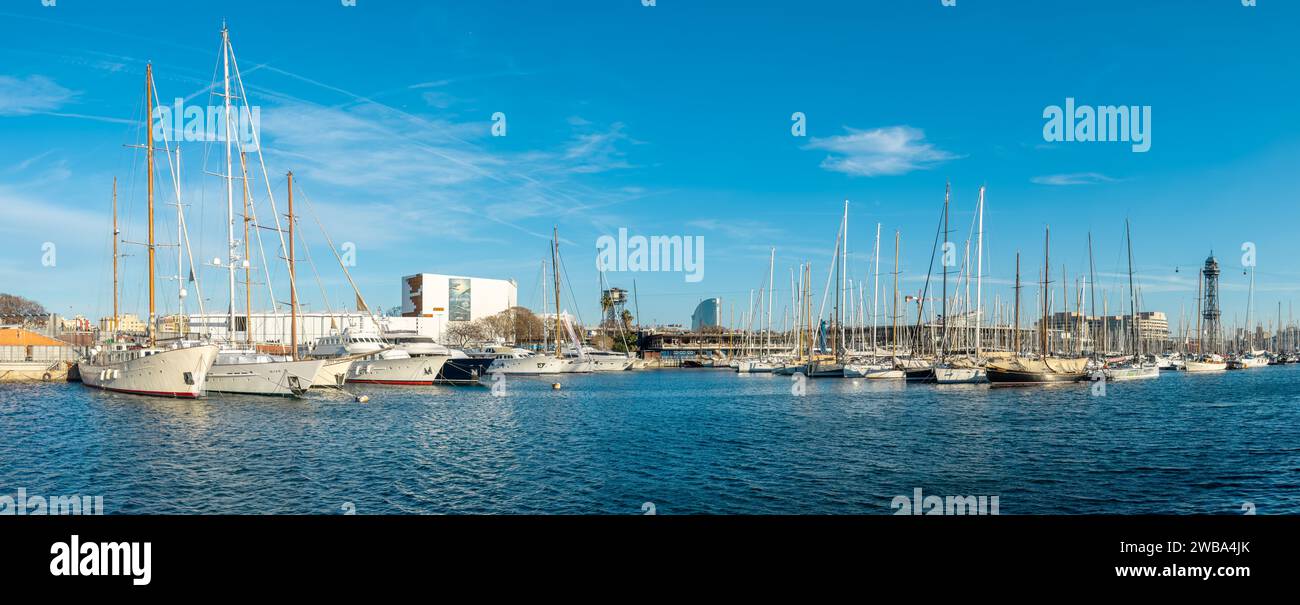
<point>512,360</point>
<point>166,372</point>
<point>249,372</point>
<point>395,367</point>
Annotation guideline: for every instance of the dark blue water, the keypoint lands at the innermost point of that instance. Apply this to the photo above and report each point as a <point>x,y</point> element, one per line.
<point>689,441</point>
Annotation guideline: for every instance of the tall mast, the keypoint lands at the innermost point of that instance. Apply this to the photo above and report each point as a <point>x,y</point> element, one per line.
<point>230,186</point>
<point>875,293</point>
<point>1092,287</point>
<point>1132,294</point>
<point>115,236</point>
<point>1200,341</point>
<point>771,290</point>
<point>979,274</point>
<point>148,94</point>
<point>842,342</point>
<point>943,262</point>
<point>248,272</point>
<point>1016,329</point>
<point>1047,246</point>
<point>293,284</point>
<point>180,244</point>
<point>555,269</point>
<point>894,326</point>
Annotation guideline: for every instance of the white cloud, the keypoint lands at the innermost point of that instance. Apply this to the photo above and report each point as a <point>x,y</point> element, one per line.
<point>35,94</point>
<point>884,151</point>
<point>1074,178</point>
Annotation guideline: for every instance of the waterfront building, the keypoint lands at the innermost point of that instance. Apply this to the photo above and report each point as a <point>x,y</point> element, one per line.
<point>444,300</point>
<point>708,314</point>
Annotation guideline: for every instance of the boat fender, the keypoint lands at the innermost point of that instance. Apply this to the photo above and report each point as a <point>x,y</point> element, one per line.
<point>363,398</point>
<point>555,386</point>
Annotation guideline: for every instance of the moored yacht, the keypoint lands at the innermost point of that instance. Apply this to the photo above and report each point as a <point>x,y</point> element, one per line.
<point>165,372</point>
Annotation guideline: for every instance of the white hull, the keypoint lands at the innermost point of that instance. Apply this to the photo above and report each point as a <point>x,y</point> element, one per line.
<point>1205,366</point>
<point>169,373</point>
<point>333,372</point>
<point>1131,373</point>
<point>535,364</point>
<point>408,371</point>
<point>1247,363</point>
<point>574,366</point>
<point>959,375</point>
<point>755,366</point>
<point>283,378</point>
<point>608,364</point>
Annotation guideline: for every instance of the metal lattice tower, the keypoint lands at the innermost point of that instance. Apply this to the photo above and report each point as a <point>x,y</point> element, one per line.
<point>1210,307</point>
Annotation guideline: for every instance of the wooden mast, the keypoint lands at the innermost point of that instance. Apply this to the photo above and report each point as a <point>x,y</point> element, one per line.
<point>1016,328</point>
<point>148,95</point>
<point>293,285</point>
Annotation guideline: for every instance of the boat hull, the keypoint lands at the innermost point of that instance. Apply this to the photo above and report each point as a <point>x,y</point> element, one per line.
<point>534,365</point>
<point>406,371</point>
<point>1131,373</point>
<point>1205,366</point>
<point>464,370</point>
<point>332,373</point>
<point>276,378</point>
<point>1001,376</point>
<point>178,373</point>
<point>960,376</point>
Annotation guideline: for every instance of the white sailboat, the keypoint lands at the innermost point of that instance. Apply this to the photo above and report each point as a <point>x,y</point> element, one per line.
<point>1138,368</point>
<point>242,369</point>
<point>179,370</point>
<point>962,370</point>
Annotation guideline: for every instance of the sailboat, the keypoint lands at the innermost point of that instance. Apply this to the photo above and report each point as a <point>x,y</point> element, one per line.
<point>243,369</point>
<point>180,370</point>
<point>1138,368</point>
<point>965,370</point>
<point>834,366</point>
<point>1044,369</point>
<point>880,369</point>
<point>763,363</point>
<point>1250,358</point>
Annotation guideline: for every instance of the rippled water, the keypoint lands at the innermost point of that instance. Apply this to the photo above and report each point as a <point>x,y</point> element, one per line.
<point>689,441</point>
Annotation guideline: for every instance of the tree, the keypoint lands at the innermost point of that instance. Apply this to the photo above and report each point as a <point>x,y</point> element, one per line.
<point>464,332</point>
<point>14,308</point>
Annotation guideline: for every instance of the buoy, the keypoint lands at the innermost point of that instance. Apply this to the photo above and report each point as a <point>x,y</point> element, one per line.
<point>363,398</point>
<point>555,386</point>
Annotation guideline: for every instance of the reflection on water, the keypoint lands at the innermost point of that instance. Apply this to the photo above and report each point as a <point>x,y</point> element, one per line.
<point>691,441</point>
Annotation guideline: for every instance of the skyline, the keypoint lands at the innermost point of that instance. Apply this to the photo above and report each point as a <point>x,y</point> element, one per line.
<point>669,120</point>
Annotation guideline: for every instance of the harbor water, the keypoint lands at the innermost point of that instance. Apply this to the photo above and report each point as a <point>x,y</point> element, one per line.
<point>687,441</point>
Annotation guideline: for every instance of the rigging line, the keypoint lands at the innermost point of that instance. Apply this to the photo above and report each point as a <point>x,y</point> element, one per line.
<point>312,209</point>
<point>175,171</point>
<point>257,142</point>
<point>572,298</point>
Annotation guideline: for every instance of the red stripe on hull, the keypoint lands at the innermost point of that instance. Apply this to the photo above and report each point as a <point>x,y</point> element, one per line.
<point>394,382</point>
<point>181,395</point>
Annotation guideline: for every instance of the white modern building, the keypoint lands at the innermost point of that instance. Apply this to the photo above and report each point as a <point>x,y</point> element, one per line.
<point>441,300</point>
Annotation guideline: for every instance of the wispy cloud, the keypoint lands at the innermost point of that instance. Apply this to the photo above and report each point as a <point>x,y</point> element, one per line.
<point>1073,178</point>
<point>891,150</point>
<point>31,95</point>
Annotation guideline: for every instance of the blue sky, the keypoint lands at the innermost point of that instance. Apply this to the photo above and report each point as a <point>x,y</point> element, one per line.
<point>666,120</point>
